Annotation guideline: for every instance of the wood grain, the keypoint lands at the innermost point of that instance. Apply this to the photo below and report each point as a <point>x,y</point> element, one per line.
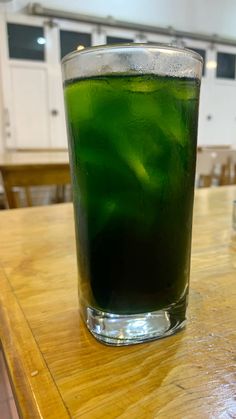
<point>189,375</point>
<point>27,367</point>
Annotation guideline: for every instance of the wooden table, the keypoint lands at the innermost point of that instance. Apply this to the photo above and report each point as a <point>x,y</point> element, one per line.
<point>58,370</point>
<point>33,168</point>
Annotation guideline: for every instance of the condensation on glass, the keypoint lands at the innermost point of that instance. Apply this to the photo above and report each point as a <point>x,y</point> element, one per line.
<point>201,52</point>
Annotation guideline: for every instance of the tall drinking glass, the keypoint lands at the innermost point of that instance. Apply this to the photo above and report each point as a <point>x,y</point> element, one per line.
<point>132,113</point>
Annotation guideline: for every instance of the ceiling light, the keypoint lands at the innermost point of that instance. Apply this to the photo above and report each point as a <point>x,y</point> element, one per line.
<point>41,40</point>
<point>211,64</point>
<point>80,47</point>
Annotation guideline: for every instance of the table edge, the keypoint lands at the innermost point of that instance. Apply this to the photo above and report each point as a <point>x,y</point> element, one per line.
<point>27,369</point>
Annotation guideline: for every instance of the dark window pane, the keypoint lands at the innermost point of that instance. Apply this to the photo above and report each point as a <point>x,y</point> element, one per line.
<point>225,65</point>
<point>201,52</point>
<point>115,40</point>
<point>71,40</point>
<point>26,42</point>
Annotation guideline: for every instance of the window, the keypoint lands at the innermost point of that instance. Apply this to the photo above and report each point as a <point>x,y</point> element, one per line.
<point>71,40</point>
<point>116,40</point>
<point>201,52</point>
<point>26,42</point>
<point>225,65</point>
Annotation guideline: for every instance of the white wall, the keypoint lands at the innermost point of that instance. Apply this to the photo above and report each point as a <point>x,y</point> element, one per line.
<point>209,16</point>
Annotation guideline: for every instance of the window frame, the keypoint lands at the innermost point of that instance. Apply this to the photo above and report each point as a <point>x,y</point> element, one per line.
<point>75,32</point>
<point>228,49</point>
<point>25,58</point>
<point>80,27</point>
<point>222,77</point>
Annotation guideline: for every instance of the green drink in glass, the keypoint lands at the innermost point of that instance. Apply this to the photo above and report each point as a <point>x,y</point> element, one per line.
<point>132,130</point>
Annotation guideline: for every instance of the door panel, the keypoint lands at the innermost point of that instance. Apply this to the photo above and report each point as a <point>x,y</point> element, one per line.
<point>217,115</point>
<point>56,110</point>
<point>30,107</point>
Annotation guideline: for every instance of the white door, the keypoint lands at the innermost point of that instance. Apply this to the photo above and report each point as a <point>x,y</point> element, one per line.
<point>31,83</point>
<point>217,116</point>
<point>24,83</point>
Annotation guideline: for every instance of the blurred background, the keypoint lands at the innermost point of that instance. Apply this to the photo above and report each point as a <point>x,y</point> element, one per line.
<point>34,38</point>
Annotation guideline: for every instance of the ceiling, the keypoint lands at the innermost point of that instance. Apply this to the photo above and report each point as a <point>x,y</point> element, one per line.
<point>207,16</point>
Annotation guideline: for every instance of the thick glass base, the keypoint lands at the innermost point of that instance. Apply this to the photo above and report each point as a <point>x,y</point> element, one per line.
<point>119,330</point>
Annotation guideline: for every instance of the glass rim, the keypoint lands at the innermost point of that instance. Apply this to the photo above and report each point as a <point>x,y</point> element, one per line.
<point>156,46</point>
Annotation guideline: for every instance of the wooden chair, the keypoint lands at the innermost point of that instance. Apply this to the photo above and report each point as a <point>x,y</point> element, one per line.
<point>233,161</point>
<point>204,169</point>
<point>27,175</point>
<point>222,166</point>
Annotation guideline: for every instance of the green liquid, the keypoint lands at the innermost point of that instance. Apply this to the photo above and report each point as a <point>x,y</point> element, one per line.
<point>132,143</point>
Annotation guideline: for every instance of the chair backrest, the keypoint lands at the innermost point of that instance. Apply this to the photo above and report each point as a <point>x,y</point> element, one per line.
<point>205,163</point>
<point>222,157</point>
<point>233,161</point>
<point>204,168</point>
<point>25,176</point>
<point>233,156</point>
